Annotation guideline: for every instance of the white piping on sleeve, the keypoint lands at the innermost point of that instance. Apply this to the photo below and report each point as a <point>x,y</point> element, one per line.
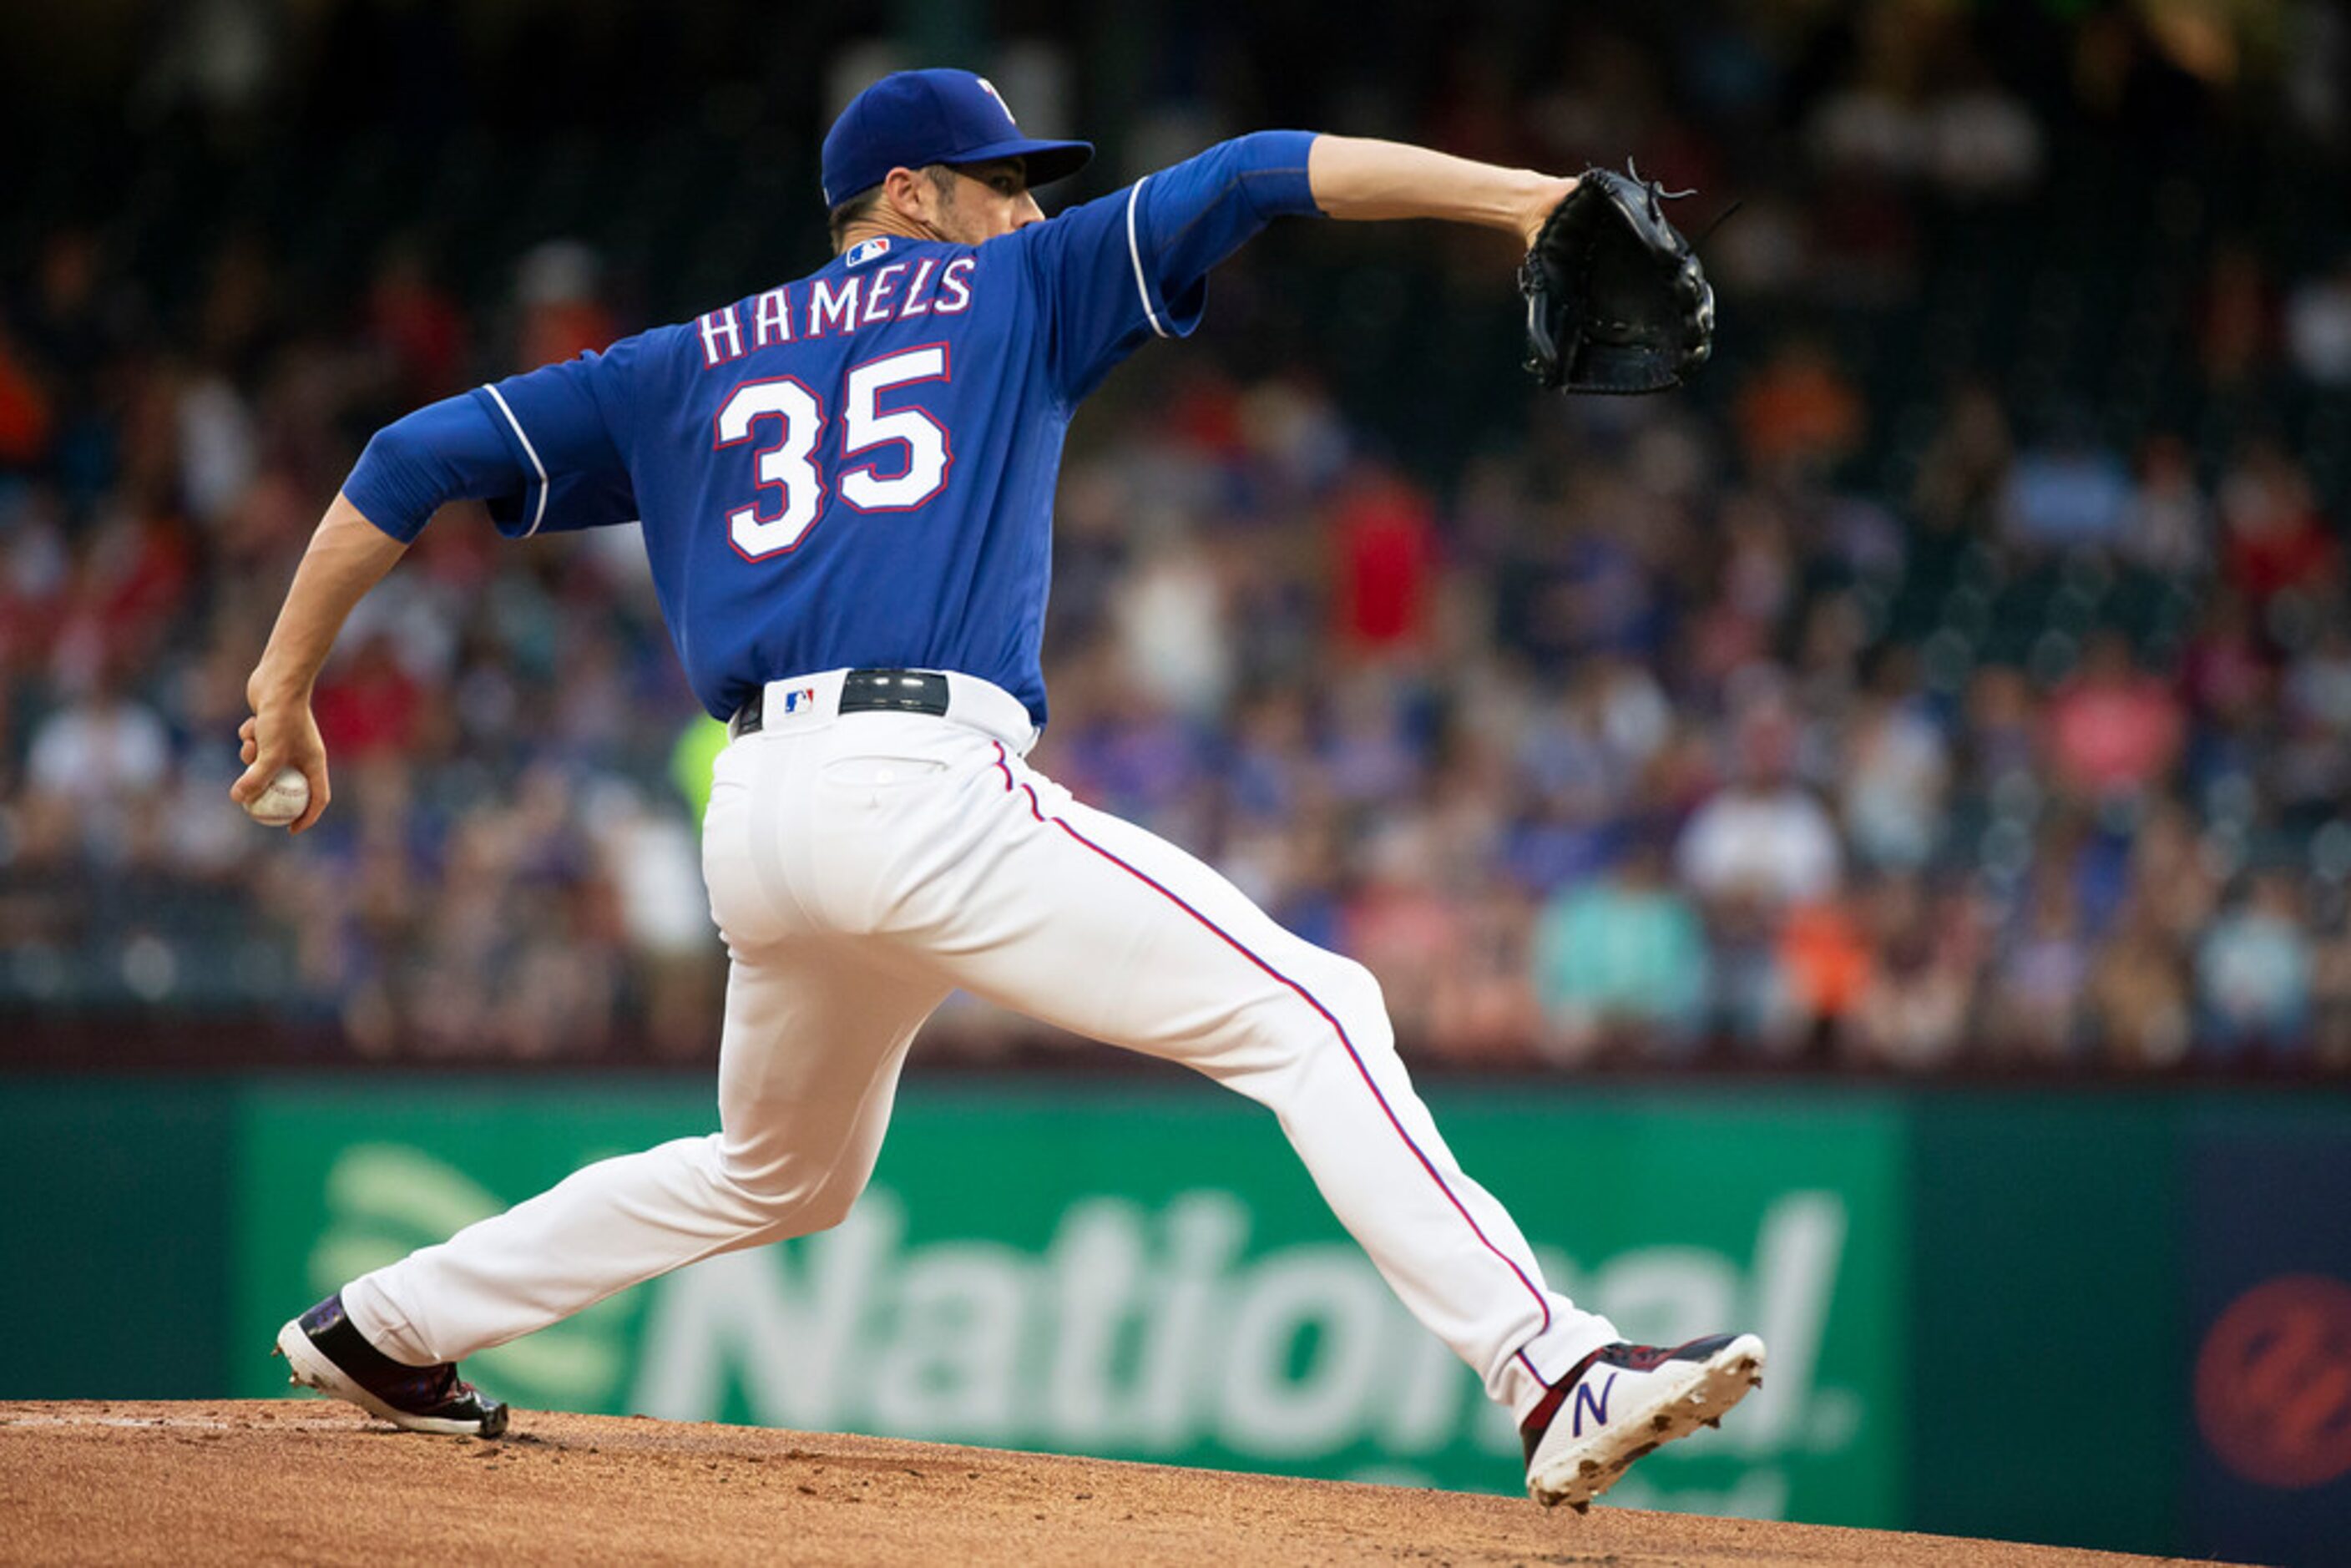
<point>530,451</point>
<point>1136,251</point>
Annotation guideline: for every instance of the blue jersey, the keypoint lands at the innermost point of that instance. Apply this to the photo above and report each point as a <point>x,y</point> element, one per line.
<point>857,468</point>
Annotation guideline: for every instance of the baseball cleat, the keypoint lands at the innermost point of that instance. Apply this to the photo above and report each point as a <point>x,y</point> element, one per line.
<point>1625,1400</point>
<point>328,1353</point>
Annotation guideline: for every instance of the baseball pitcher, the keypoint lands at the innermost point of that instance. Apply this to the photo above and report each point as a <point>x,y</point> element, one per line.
<point>846,485</point>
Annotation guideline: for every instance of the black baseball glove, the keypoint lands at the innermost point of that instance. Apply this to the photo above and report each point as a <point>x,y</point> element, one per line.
<point>1617,302</point>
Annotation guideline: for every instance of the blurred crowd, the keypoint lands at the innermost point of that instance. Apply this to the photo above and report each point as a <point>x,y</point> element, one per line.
<point>1617,755</point>
<point>1976,723</point>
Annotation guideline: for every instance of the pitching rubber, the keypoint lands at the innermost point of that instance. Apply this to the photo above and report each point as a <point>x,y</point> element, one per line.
<point>1695,1397</point>
<point>312,1369</point>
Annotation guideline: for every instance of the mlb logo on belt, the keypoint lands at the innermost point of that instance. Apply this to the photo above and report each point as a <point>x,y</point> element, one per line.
<point>800,701</point>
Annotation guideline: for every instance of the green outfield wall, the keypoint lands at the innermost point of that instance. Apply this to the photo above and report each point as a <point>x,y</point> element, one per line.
<point>1988,1313</point>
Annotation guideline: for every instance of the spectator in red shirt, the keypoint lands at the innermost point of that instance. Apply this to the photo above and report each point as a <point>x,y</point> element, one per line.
<point>1383,534</point>
<point>2114,729</point>
<point>25,415</point>
<point>2276,539</point>
<point>371,706</point>
<point>418,328</point>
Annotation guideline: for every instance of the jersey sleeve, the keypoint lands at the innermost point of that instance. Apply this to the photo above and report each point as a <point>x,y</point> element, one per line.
<point>1119,271</point>
<point>537,448</point>
<point>557,426</point>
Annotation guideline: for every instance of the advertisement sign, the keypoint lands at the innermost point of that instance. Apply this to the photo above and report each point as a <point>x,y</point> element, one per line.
<point>2269,1289</point>
<point>1146,1273</point>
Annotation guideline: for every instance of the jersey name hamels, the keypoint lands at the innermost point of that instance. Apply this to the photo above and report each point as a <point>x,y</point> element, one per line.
<point>835,307</point>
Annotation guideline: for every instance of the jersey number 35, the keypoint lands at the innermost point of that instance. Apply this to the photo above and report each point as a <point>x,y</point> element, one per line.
<point>790,475</point>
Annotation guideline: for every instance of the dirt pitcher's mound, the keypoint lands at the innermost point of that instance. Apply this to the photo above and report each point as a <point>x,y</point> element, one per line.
<point>313,1481</point>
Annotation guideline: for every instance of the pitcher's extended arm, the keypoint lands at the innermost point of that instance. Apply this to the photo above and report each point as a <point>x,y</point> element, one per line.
<point>348,556</point>
<point>1353,177</point>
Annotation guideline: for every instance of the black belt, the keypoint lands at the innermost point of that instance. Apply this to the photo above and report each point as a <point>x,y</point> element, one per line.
<point>864,691</point>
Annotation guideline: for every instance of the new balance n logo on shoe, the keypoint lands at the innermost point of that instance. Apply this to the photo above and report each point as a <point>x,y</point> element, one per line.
<point>1597,1404</point>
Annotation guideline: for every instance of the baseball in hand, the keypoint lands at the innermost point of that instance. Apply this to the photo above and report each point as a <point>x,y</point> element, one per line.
<point>286,799</point>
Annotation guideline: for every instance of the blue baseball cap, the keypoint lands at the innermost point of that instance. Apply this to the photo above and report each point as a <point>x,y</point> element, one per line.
<point>909,118</point>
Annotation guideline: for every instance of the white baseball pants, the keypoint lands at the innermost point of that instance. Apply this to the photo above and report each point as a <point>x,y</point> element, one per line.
<point>862,866</point>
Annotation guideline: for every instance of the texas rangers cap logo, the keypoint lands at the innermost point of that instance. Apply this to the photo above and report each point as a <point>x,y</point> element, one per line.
<point>988,87</point>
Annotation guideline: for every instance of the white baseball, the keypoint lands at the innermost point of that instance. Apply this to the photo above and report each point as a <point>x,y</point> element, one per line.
<point>288,796</point>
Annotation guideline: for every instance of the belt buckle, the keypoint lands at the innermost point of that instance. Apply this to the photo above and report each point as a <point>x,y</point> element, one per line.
<point>894,691</point>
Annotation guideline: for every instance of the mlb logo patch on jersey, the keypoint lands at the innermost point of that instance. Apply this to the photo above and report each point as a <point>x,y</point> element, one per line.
<point>865,250</point>
<point>803,700</point>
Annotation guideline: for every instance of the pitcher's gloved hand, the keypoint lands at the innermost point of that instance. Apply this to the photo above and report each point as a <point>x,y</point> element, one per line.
<point>1617,302</point>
